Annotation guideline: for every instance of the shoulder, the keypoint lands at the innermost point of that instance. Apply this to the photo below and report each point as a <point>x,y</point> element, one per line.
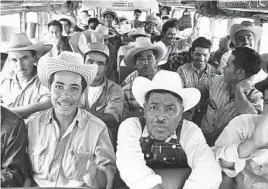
<point>40,116</point>
<point>113,86</point>
<point>189,127</point>
<point>93,120</point>
<point>9,119</point>
<point>130,126</point>
<point>244,122</point>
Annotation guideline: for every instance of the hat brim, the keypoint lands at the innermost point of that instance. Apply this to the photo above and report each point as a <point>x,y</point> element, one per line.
<point>158,47</point>
<point>49,65</point>
<point>142,85</point>
<point>109,13</point>
<point>256,30</point>
<point>39,48</point>
<point>132,34</point>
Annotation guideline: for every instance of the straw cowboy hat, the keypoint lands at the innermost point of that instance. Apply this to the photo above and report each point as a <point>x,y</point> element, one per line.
<point>70,18</point>
<point>104,30</point>
<point>108,12</point>
<point>138,32</point>
<point>66,61</point>
<point>98,47</point>
<point>245,26</point>
<point>168,81</point>
<point>20,42</point>
<point>143,44</point>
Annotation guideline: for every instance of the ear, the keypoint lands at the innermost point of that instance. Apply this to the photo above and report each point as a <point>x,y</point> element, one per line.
<point>240,74</point>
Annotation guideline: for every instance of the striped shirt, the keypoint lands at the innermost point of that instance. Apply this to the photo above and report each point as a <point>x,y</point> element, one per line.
<point>221,107</point>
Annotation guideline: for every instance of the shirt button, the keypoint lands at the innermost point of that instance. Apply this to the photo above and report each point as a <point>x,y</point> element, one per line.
<point>147,155</point>
<point>173,146</point>
<point>165,159</point>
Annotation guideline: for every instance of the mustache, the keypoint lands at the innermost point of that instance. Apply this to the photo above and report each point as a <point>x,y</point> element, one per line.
<point>160,122</point>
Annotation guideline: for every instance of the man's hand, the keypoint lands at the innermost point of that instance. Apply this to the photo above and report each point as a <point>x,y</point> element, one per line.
<point>245,85</point>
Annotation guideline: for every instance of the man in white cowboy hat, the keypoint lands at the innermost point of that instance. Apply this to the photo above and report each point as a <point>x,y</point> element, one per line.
<point>68,146</point>
<point>22,92</point>
<point>145,57</point>
<point>242,147</point>
<point>232,94</point>
<point>103,98</point>
<point>160,147</point>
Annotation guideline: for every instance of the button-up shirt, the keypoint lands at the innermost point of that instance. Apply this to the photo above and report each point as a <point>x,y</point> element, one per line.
<point>111,100</point>
<point>221,107</point>
<point>206,173</point>
<point>13,95</point>
<point>14,163</point>
<point>251,172</point>
<point>65,161</point>
<point>130,78</point>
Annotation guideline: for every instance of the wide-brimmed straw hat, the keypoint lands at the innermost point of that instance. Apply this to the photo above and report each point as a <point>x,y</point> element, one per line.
<point>104,30</point>
<point>108,12</point>
<point>98,47</point>
<point>20,42</point>
<point>140,31</point>
<point>70,18</point>
<point>143,44</point>
<point>66,61</point>
<point>168,81</point>
<point>245,26</point>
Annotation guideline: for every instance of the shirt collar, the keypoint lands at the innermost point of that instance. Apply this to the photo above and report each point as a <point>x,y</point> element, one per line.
<point>145,133</point>
<point>206,71</point>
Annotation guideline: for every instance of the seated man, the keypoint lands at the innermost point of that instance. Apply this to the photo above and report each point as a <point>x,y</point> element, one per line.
<point>232,94</point>
<point>68,146</point>
<point>103,98</point>
<point>242,148</point>
<point>145,57</point>
<point>22,92</point>
<point>163,140</point>
<point>14,162</point>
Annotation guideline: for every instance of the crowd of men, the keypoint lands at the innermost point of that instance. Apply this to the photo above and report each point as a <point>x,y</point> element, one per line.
<point>105,106</point>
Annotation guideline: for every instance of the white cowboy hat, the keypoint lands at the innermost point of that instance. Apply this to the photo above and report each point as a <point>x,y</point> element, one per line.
<point>143,44</point>
<point>140,31</point>
<point>124,28</point>
<point>98,47</point>
<point>108,11</point>
<point>247,26</point>
<point>20,42</point>
<point>66,61</point>
<point>168,81</point>
<point>70,18</point>
<point>104,30</point>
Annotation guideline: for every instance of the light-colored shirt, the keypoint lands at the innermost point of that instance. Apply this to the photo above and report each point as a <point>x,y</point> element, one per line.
<point>251,172</point>
<point>111,100</point>
<point>13,95</point>
<point>221,107</point>
<point>132,166</point>
<point>65,161</point>
<point>224,59</point>
<point>93,94</point>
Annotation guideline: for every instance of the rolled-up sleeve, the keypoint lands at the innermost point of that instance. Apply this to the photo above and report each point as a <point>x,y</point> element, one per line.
<point>130,159</point>
<point>206,172</point>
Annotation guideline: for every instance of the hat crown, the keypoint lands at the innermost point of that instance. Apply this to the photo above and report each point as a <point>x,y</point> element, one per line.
<point>19,40</point>
<point>168,80</point>
<point>70,57</point>
<point>143,42</point>
<point>97,46</point>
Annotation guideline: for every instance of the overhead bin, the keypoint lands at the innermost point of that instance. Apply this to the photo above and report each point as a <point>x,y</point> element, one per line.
<point>252,6</point>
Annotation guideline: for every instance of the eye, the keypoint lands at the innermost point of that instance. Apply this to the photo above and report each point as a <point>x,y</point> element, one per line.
<point>153,107</point>
<point>59,87</point>
<point>75,89</point>
<point>171,109</point>
<point>13,59</point>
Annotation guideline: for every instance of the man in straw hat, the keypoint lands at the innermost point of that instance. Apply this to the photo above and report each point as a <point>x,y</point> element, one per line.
<point>150,25</point>
<point>232,94</point>
<point>68,23</point>
<point>68,146</point>
<point>160,147</point>
<point>103,98</point>
<point>242,147</point>
<point>22,92</point>
<point>109,16</point>
<point>145,57</point>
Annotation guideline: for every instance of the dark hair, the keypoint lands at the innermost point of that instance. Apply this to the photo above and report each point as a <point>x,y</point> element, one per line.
<point>137,10</point>
<point>201,42</point>
<point>85,11</point>
<point>55,23</point>
<point>168,24</point>
<point>93,20</point>
<point>66,20</point>
<point>247,59</point>
<point>167,8</point>
<point>84,83</point>
<point>161,91</point>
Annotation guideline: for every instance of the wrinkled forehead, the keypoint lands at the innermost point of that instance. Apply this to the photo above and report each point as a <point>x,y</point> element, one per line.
<point>68,78</point>
<point>244,33</point>
<point>145,53</point>
<point>163,97</point>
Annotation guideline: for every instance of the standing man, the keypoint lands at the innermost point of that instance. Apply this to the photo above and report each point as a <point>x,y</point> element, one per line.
<point>232,94</point>
<point>136,22</point>
<point>68,146</point>
<point>154,151</point>
<point>145,57</point>
<point>68,23</point>
<point>109,16</point>
<point>22,92</point>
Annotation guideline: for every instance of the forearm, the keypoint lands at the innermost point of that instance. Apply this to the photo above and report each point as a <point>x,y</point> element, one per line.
<point>242,104</point>
<point>246,148</point>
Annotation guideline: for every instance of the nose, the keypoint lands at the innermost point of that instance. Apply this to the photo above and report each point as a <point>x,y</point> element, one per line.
<point>161,115</point>
<point>19,63</point>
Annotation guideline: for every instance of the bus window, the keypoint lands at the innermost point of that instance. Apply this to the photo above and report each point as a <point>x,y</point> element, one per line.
<point>130,14</point>
<point>264,39</point>
<point>204,26</point>
<point>220,30</point>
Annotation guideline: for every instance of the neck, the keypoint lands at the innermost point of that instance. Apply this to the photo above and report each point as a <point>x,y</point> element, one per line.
<point>166,41</point>
<point>98,82</point>
<point>233,86</point>
<point>198,68</point>
<point>64,121</point>
<point>23,80</point>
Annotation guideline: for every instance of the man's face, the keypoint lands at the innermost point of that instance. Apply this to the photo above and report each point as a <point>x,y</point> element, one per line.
<point>163,113</point>
<point>66,90</point>
<point>245,38</point>
<point>229,71</point>
<point>200,57</point>
<point>84,15</point>
<point>66,27</point>
<point>100,60</point>
<point>109,19</point>
<point>55,33</point>
<point>149,27</point>
<point>23,62</point>
<point>146,64</point>
<point>170,35</point>
<point>137,15</point>
<point>93,25</point>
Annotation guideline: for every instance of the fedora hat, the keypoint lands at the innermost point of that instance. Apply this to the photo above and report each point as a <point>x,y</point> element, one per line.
<point>143,44</point>
<point>108,12</point>
<point>104,30</point>
<point>140,31</point>
<point>66,61</point>
<point>168,81</point>
<point>97,47</point>
<point>20,42</point>
<point>248,26</point>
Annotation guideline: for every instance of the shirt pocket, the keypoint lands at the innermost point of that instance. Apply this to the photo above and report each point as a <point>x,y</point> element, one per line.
<point>36,155</point>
